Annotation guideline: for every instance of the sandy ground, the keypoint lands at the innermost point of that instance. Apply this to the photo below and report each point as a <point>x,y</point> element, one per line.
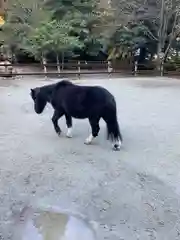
<point>132,194</point>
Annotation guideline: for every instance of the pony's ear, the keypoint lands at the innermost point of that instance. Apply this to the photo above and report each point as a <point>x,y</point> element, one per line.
<point>32,92</point>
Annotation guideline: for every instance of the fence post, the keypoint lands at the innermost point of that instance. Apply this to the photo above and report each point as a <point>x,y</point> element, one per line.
<point>161,56</point>
<point>135,68</point>
<point>44,65</point>
<point>110,69</point>
<point>62,61</point>
<point>162,69</point>
<point>79,69</point>
<point>58,64</point>
<point>6,67</point>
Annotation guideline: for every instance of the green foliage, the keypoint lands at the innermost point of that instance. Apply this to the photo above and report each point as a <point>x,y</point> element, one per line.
<point>51,36</point>
<point>82,15</point>
<point>124,40</point>
<point>62,26</point>
<point>21,18</point>
<point>39,27</point>
<point>62,8</point>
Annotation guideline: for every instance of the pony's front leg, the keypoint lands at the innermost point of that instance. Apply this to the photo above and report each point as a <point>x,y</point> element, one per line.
<point>56,116</point>
<point>69,125</point>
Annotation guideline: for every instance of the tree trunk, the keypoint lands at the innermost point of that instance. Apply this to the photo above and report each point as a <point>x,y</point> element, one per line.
<point>164,20</point>
<point>162,34</point>
<point>172,36</point>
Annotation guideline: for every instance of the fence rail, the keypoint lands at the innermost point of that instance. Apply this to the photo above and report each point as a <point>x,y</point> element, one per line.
<point>81,68</point>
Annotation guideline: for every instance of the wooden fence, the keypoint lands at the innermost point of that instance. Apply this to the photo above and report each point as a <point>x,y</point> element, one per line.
<point>79,68</point>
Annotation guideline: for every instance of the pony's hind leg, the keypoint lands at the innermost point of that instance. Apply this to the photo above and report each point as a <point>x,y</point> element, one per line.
<point>69,125</point>
<point>56,116</point>
<point>94,122</point>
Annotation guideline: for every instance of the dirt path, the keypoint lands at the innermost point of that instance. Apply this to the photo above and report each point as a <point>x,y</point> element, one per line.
<point>133,194</point>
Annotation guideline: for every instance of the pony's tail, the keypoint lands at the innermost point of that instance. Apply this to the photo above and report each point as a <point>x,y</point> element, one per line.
<point>113,129</point>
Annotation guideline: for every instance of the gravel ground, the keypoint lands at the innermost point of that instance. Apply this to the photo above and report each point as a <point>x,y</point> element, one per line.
<point>132,194</point>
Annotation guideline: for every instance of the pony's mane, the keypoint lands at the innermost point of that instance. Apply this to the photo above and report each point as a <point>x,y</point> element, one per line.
<point>56,85</point>
<point>48,89</point>
<point>63,83</point>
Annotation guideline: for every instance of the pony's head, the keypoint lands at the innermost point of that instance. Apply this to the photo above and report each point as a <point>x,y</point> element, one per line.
<point>40,99</point>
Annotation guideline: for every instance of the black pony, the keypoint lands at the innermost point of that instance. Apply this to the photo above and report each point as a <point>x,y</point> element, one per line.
<point>92,102</point>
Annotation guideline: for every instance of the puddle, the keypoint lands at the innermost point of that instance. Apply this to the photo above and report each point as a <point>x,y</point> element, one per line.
<point>51,224</point>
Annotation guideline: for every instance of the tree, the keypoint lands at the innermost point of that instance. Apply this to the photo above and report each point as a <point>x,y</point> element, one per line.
<point>127,39</point>
<point>162,19</point>
<point>21,18</point>
<point>83,16</point>
<point>125,31</point>
<point>27,23</point>
<point>51,36</point>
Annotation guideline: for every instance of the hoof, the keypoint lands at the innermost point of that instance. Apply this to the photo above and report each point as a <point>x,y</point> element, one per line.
<point>59,134</point>
<point>69,135</point>
<point>89,140</point>
<point>116,147</point>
